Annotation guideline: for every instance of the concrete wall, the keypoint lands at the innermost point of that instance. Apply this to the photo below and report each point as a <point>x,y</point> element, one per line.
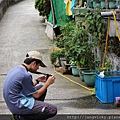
<point>4,4</point>
<point>115,60</point>
<point>3,7</point>
<point>112,33</point>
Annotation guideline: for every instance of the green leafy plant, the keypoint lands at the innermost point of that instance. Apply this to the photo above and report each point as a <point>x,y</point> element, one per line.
<point>95,25</point>
<point>81,38</point>
<point>107,66</point>
<point>78,47</point>
<point>55,54</point>
<point>43,6</point>
<point>66,34</point>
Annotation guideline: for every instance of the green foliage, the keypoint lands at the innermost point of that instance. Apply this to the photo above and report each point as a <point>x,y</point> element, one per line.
<point>66,35</point>
<point>76,43</point>
<point>43,6</point>
<point>79,48</point>
<point>108,65</point>
<point>81,38</point>
<point>55,54</point>
<point>95,25</point>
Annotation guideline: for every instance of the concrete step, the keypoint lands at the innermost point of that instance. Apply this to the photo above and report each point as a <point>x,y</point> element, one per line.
<point>57,117</point>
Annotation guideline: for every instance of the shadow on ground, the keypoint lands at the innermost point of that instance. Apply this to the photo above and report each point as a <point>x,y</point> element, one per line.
<point>87,102</point>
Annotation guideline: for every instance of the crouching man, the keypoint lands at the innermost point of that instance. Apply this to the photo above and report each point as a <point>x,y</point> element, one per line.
<point>24,99</point>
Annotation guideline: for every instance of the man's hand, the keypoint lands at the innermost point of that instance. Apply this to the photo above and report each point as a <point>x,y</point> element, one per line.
<point>42,78</point>
<point>50,80</point>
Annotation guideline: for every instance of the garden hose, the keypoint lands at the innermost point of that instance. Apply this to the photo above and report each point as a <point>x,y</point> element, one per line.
<point>92,90</point>
<point>106,43</point>
<point>115,22</point>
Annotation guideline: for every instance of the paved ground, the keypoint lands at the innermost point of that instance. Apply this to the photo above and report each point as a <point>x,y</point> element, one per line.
<point>22,31</point>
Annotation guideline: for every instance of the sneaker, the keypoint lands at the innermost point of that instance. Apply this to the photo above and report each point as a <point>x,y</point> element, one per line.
<point>18,117</point>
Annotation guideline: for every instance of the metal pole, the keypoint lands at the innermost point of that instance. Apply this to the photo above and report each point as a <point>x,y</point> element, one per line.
<point>106,14</point>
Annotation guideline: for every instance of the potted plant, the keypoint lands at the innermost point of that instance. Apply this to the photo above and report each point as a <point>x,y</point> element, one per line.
<point>78,47</point>
<point>75,41</point>
<point>74,68</point>
<point>111,4</point>
<point>64,41</point>
<point>89,3</point>
<point>56,54</point>
<point>103,3</point>
<point>88,75</point>
<point>83,66</point>
<point>107,68</point>
<point>118,4</point>
<point>96,3</point>
<point>105,81</point>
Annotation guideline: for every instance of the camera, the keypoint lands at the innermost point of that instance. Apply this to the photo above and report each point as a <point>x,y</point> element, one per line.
<point>47,76</point>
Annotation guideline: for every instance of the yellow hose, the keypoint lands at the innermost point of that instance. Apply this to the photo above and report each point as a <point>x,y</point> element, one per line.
<point>115,22</point>
<point>106,43</point>
<point>73,81</point>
